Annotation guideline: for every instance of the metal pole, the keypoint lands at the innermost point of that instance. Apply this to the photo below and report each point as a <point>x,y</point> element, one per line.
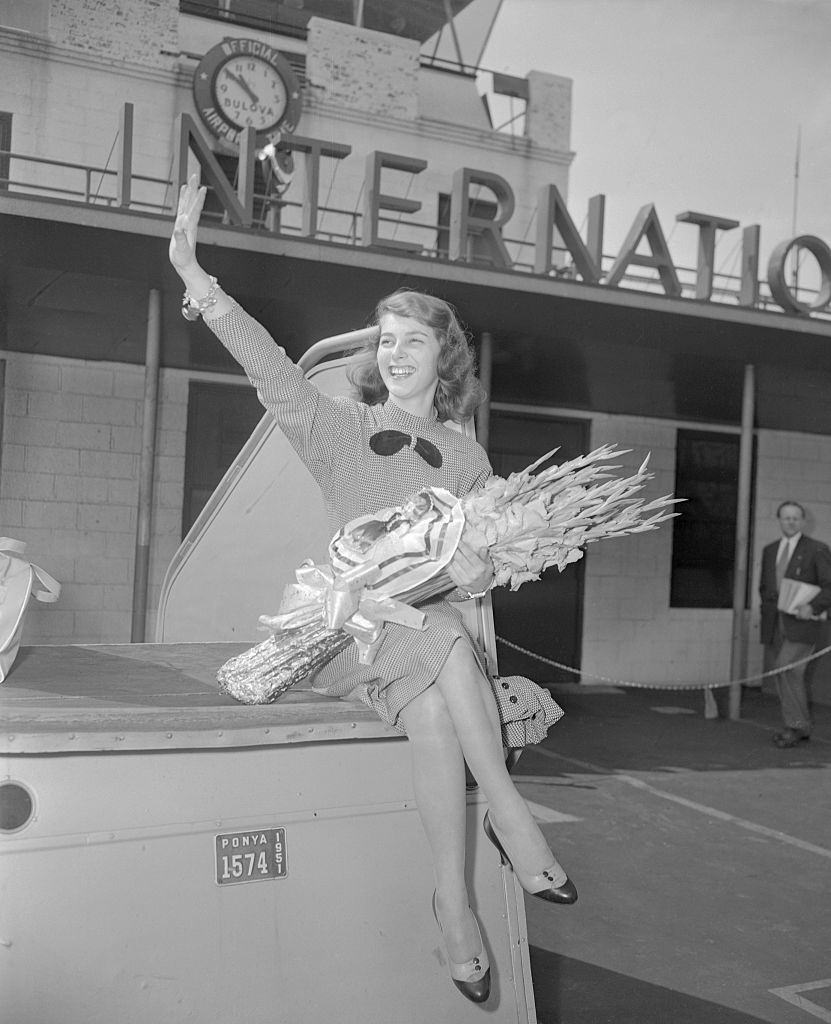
<point>483,413</point>
<point>795,211</point>
<point>451,24</point>
<point>2,404</point>
<point>146,467</point>
<point>739,638</point>
<point>124,179</point>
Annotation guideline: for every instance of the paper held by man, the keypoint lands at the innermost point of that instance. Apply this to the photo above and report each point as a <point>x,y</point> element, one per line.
<point>794,593</point>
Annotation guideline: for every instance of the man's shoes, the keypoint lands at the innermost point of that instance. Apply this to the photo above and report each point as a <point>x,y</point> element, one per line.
<point>790,738</point>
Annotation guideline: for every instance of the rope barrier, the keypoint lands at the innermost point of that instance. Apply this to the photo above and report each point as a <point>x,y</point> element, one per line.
<point>668,685</point>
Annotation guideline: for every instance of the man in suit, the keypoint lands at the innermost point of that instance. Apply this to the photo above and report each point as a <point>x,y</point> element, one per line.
<point>790,637</point>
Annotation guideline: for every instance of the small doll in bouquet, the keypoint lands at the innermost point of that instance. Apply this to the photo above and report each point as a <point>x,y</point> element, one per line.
<point>430,683</point>
<point>367,538</point>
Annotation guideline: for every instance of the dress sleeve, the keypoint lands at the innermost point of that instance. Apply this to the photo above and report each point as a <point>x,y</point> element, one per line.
<point>311,421</point>
<point>481,478</point>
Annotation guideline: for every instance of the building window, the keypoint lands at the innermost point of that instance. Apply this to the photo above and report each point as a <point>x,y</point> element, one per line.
<point>5,148</point>
<point>221,418</point>
<point>704,534</point>
<point>288,18</point>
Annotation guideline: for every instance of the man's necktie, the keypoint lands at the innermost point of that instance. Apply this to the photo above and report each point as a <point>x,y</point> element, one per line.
<point>388,442</point>
<point>782,560</point>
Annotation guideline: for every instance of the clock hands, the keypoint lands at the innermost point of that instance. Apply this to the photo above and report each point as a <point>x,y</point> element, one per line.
<point>243,85</point>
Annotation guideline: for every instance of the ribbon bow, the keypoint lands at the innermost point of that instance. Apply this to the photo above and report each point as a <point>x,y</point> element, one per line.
<point>343,602</point>
<point>389,442</point>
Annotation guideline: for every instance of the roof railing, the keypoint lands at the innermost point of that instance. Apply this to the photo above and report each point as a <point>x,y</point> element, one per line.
<point>96,186</point>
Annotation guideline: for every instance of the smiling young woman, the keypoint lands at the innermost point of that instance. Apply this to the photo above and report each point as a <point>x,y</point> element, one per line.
<point>458,391</point>
<point>408,354</point>
<point>432,684</point>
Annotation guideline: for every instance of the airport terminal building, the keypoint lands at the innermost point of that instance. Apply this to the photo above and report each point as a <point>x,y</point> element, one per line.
<point>352,149</point>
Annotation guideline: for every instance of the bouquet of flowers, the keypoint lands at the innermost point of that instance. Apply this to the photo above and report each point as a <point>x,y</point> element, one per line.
<point>383,565</point>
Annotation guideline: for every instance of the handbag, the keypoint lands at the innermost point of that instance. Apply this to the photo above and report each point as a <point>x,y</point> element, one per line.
<point>19,582</point>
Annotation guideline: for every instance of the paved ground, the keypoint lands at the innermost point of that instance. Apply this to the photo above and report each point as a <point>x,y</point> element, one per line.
<point>703,858</point>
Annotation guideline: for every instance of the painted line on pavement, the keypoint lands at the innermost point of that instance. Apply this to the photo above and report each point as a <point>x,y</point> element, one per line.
<point>542,780</point>
<point>547,816</point>
<point>790,993</point>
<point>713,812</point>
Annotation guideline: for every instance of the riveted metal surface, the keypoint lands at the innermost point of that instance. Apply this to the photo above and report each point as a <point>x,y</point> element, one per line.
<point>112,911</point>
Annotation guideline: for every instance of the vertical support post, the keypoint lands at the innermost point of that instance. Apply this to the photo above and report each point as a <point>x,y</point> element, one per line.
<point>2,404</point>
<point>448,13</point>
<point>739,639</point>
<point>124,178</point>
<point>247,164</point>
<point>749,287</point>
<point>594,230</point>
<point>483,413</point>
<point>146,467</point>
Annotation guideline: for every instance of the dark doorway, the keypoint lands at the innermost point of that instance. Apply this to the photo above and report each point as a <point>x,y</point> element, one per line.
<point>704,537</point>
<point>221,418</point>
<point>5,148</point>
<point>544,616</point>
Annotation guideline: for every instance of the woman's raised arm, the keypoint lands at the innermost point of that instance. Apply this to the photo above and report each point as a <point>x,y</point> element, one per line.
<point>199,285</point>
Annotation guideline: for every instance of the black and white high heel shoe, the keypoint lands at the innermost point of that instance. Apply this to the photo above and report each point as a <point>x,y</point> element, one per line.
<point>473,977</point>
<point>541,885</point>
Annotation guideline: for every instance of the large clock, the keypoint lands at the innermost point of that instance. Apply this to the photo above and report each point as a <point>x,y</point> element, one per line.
<point>245,83</point>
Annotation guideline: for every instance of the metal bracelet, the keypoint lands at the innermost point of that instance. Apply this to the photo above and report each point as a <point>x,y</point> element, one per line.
<point>471,597</point>
<point>192,308</point>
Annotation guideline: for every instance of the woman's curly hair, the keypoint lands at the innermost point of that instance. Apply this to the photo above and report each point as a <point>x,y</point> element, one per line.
<point>459,392</point>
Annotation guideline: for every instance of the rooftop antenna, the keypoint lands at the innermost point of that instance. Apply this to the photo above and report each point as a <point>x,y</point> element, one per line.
<point>796,206</point>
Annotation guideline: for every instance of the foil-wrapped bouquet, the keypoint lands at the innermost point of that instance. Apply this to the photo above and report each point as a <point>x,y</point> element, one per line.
<point>381,566</point>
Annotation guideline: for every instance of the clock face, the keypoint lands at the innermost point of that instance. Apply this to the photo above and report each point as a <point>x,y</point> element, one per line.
<point>246,83</point>
<point>250,93</point>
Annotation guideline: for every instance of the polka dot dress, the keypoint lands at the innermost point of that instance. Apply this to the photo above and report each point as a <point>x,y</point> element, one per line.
<point>331,436</point>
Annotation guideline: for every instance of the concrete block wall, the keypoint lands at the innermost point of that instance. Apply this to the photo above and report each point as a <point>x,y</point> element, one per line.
<point>136,31</point>
<point>548,113</point>
<point>66,105</point>
<point>630,633</point>
<point>793,466</point>
<point>69,488</point>
<point>362,69</point>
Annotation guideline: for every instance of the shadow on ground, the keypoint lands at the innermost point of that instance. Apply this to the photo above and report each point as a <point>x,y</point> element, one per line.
<point>569,991</point>
<point>665,730</point>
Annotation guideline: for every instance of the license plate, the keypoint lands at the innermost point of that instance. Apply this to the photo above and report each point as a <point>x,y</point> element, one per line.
<point>251,856</point>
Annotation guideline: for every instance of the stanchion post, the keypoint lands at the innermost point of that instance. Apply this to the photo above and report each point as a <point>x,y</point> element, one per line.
<point>146,468</point>
<point>739,640</point>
